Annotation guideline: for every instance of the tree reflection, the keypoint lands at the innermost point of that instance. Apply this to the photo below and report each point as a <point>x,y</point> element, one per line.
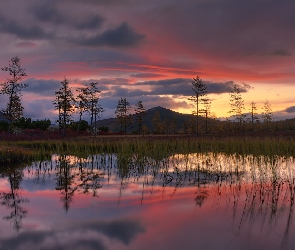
<point>65,181</point>
<point>12,199</point>
<point>256,189</point>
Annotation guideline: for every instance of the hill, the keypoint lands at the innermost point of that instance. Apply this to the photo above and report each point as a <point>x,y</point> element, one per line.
<point>171,121</point>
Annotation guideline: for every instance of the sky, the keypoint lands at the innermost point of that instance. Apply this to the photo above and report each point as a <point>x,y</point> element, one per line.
<point>151,51</point>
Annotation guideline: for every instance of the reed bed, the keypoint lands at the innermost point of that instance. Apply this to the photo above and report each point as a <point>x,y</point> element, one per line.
<point>152,146</point>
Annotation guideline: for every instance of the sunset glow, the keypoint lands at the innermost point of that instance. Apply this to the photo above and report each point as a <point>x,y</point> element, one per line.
<point>150,51</point>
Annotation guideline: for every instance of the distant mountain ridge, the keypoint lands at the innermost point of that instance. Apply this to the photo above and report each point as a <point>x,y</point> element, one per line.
<point>165,114</point>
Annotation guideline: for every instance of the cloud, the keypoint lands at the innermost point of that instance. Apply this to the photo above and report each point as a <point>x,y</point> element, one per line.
<point>47,11</point>
<point>42,87</point>
<point>26,44</point>
<point>280,52</point>
<point>118,91</point>
<point>146,75</point>
<point>77,236</point>
<point>122,36</point>
<point>183,86</point>
<point>23,31</point>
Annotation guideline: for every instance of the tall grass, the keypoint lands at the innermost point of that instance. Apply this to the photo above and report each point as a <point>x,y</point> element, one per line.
<point>155,147</point>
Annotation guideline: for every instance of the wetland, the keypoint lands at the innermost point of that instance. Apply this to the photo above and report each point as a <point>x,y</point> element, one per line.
<point>145,193</point>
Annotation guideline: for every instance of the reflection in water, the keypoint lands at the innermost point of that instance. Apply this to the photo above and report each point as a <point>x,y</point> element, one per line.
<point>259,191</point>
<point>11,199</point>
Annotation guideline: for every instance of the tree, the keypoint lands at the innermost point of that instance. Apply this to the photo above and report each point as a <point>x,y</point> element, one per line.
<point>65,104</point>
<point>205,111</point>
<point>12,87</point>
<point>254,117</point>
<point>237,106</point>
<point>93,105</point>
<point>139,113</point>
<point>199,89</point>
<point>267,114</point>
<point>12,199</point>
<point>81,104</point>
<point>123,115</point>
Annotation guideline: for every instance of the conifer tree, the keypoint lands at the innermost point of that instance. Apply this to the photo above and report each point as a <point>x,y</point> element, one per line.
<point>123,114</point>
<point>65,104</point>
<point>140,113</point>
<point>12,88</point>
<point>199,89</point>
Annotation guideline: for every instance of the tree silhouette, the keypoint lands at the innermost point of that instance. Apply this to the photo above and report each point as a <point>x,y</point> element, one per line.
<point>64,102</point>
<point>237,106</point>
<point>123,115</point>
<point>12,87</point>
<point>139,113</point>
<point>267,114</point>
<point>12,200</point>
<point>65,181</point>
<point>199,89</point>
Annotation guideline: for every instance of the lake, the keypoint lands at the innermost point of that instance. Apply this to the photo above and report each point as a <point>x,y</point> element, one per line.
<point>108,201</point>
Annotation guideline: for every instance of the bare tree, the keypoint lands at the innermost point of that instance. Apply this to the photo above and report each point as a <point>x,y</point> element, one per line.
<point>12,87</point>
<point>199,89</point>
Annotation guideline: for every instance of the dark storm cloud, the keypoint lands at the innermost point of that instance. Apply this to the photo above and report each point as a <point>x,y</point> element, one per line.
<point>229,27</point>
<point>122,36</point>
<point>122,230</point>
<point>42,87</point>
<point>290,109</point>
<point>183,86</point>
<point>47,11</point>
<point>22,30</point>
<point>118,91</point>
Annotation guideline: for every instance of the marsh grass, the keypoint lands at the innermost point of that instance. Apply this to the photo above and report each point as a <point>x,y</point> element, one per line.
<point>155,147</point>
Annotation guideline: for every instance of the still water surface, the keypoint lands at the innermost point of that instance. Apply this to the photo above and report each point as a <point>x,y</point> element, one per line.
<point>195,201</point>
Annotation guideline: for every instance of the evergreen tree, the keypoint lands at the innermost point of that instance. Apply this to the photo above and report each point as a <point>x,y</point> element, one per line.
<point>140,113</point>
<point>65,104</point>
<point>199,89</point>
<point>267,114</point>
<point>254,117</point>
<point>123,114</point>
<point>88,101</point>
<point>237,106</point>
<point>12,87</point>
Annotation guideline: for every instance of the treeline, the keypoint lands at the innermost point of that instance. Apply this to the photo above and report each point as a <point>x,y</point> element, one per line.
<point>86,101</point>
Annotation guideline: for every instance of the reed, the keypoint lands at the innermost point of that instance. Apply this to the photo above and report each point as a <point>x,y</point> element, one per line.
<point>155,147</point>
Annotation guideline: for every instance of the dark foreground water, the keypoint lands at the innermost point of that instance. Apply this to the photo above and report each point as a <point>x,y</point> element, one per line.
<point>197,201</point>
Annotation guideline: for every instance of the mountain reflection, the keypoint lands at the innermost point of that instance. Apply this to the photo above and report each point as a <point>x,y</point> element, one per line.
<point>257,190</point>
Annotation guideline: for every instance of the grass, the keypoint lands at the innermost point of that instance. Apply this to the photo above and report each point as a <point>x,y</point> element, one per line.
<point>157,147</point>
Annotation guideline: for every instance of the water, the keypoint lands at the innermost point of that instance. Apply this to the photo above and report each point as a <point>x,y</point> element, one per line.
<point>196,201</point>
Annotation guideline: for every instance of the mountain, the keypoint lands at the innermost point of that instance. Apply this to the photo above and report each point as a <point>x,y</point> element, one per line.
<point>167,116</point>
